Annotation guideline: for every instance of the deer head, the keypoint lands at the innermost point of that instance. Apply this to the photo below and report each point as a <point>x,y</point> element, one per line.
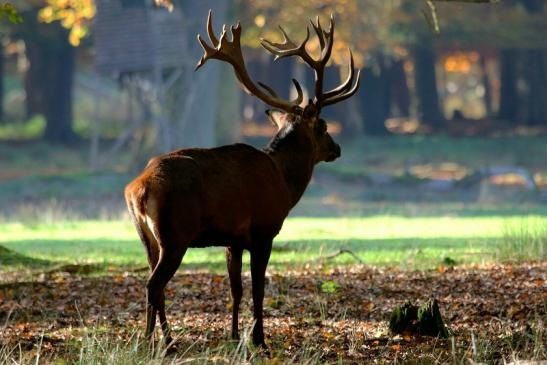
<point>289,115</point>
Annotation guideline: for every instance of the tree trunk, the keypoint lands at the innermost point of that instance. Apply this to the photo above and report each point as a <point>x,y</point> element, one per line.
<point>34,79</point>
<point>487,88</point>
<point>534,74</point>
<point>58,96</point>
<point>508,89</point>
<point>398,88</point>
<point>49,81</point>
<point>427,95</point>
<point>196,126</point>
<point>1,81</point>
<point>228,129</point>
<point>375,98</point>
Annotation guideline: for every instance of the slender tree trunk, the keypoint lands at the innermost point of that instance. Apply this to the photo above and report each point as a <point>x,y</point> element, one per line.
<point>59,96</point>
<point>34,79</point>
<point>508,90</point>
<point>399,92</point>
<point>536,100</point>
<point>1,81</point>
<point>375,98</point>
<point>228,129</point>
<point>49,81</point>
<point>487,88</point>
<point>427,95</point>
<point>197,122</point>
<point>535,75</point>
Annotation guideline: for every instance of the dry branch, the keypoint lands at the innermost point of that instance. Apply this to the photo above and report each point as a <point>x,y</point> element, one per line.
<point>341,252</point>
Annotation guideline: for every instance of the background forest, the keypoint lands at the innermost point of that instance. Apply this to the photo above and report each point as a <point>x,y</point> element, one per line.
<point>441,190</point>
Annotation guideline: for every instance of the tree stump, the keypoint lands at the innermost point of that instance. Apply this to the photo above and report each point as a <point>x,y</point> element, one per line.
<point>425,320</point>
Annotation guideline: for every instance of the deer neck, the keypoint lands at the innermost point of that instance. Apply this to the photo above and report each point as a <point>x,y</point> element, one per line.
<point>293,156</point>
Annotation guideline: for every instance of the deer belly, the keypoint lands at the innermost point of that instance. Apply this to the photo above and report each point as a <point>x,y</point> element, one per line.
<point>217,238</point>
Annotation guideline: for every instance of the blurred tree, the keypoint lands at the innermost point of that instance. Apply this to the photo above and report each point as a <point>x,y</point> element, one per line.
<point>398,88</point>
<point>1,80</point>
<point>535,74</point>
<point>375,97</point>
<point>49,79</point>
<point>515,29</point>
<point>74,15</point>
<point>7,10</point>
<point>508,85</point>
<point>359,25</point>
<point>427,95</point>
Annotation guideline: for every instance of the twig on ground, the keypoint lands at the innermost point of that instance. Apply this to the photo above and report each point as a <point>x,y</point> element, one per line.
<point>341,252</point>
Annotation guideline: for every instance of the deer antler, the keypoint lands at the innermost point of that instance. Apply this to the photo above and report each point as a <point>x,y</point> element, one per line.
<point>326,41</point>
<point>230,51</point>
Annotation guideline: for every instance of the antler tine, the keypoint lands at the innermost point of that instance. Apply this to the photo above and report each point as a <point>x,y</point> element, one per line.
<point>286,38</point>
<point>319,31</point>
<point>329,36</point>
<point>288,47</point>
<point>346,84</point>
<point>229,51</point>
<point>326,41</point>
<point>299,96</point>
<point>210,31</point>
<point>268,89</point>
<point>345,95</point>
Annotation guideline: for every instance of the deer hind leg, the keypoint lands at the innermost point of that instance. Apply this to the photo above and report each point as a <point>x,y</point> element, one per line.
<point>171,252</point>
<point>233,261</point>
<point>168,264</point>
<point>152,253</point>
<point>260,256</point>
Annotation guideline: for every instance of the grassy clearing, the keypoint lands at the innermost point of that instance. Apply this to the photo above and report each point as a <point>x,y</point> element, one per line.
<point>417,242</point>
<point>524,241</point>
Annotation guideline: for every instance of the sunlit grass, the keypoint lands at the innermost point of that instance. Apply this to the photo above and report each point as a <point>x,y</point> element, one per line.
<point>29,129</point>
<point>379,240</point>
<point>524,241</point>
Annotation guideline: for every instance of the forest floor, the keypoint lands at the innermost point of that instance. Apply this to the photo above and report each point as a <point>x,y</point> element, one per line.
<point>495,313</point>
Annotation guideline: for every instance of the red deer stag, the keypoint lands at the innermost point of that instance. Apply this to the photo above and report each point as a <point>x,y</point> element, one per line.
<point>235,196</point>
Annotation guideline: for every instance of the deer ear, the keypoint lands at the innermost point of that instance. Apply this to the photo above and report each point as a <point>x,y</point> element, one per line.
<point>311,114</point>
<point>277,117</point>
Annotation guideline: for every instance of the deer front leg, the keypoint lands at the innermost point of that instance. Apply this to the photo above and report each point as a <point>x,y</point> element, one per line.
<point>260,256</point>
<point>233,261</point>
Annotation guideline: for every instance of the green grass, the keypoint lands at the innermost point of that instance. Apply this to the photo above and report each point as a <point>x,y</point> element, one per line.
<point>32,128</point>
<point>417,242</point>
<point>524,241</point>
<point>46,192</point>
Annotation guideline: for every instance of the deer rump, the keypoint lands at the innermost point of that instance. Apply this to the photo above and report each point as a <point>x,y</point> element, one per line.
<point>210,197</point>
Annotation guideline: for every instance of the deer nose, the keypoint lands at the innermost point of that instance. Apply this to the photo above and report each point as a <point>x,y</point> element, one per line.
<point>335,153</point>
<point>337,150</point>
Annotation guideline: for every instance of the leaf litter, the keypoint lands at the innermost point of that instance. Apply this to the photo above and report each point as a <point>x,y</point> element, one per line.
<point>495,312</point>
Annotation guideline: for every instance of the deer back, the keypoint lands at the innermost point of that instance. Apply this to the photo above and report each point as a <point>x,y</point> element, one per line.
<point>228,192</point>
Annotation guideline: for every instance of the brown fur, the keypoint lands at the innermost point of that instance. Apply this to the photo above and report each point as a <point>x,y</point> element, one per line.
<point>234,196</point>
